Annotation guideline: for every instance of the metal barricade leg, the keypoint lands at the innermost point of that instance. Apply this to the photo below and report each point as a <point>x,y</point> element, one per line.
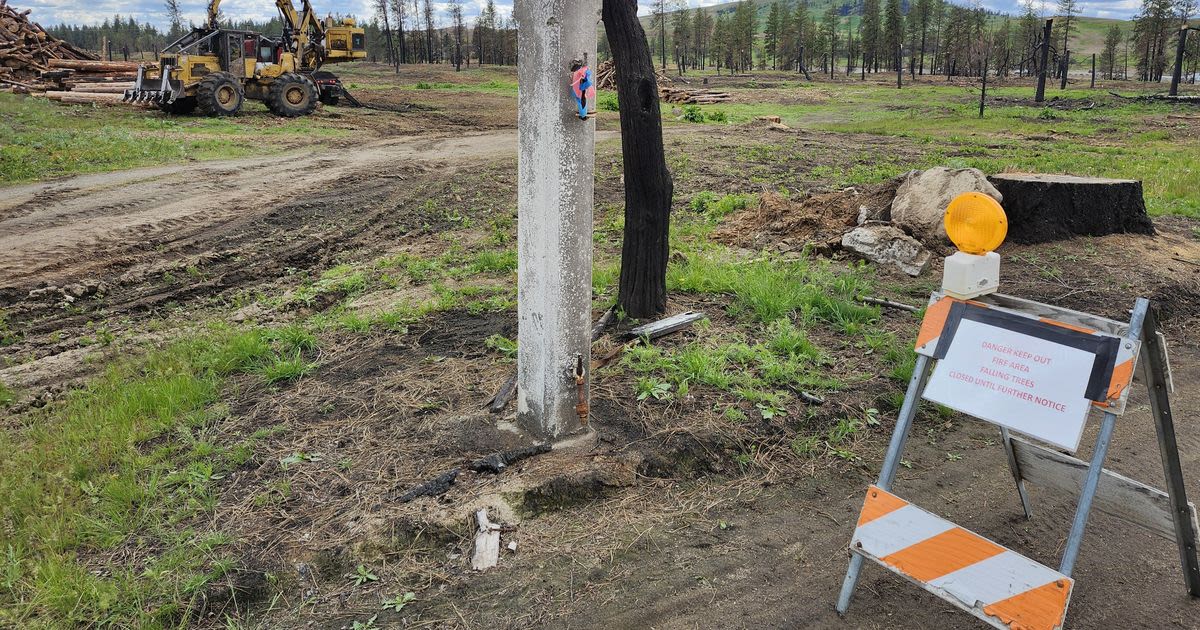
<point>891,462</point>
<point>1092,482</point>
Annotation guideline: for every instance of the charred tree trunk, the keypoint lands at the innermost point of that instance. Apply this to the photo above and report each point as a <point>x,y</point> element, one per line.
<point>648,184</point>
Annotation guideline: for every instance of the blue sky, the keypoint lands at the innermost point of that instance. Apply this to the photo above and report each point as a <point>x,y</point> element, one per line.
<point>94,11</point>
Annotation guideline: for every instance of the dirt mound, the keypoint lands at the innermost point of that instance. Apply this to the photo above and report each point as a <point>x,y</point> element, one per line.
<point>817,219</point>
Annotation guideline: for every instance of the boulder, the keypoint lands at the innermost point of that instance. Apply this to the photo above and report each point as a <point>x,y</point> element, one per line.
<point>921,200</point>
<point>888,245</point>
<point>1044,208</point>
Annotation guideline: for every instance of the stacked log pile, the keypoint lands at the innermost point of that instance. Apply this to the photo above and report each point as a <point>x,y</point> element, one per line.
<point>605,76</point>
<point>27,50</point>
<point>687,96</point>
<point>32,60</point>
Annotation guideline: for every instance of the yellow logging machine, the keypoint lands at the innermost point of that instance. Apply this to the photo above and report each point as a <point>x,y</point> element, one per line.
<point>215,69</point>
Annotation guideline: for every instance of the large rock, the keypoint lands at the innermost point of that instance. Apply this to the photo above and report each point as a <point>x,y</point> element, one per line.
<point>1043,208</point>
<point>921,200</point>
<point>888,245</point>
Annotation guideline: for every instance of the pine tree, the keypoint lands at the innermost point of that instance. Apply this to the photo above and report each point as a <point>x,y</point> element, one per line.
<point>771,35</point>
<point>893,33</point>
<point>1108,56</point>
<point>871,29</point>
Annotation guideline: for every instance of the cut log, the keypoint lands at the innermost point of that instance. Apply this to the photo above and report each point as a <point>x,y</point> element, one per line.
<point>84,97</point>
<point>101,88</point>
<point>95,66</point>
<point>1043,208</point>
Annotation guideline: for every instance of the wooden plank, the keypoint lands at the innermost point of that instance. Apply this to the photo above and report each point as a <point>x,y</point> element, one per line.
<point>665,326</point>
<point>1117,495</point>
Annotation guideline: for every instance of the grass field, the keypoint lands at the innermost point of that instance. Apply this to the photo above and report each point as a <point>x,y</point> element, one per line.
<point>217,404</point>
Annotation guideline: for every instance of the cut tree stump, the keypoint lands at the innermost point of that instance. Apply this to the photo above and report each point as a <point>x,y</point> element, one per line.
<point>1043,208</point>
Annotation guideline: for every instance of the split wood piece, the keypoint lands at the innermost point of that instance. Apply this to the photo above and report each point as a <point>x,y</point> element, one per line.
<point>506,391</point>
<point>666,326</point>
<point>650,332</point>
<point>487,543</point>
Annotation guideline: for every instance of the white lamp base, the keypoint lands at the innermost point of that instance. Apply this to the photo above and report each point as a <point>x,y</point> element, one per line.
<point>969,276</point>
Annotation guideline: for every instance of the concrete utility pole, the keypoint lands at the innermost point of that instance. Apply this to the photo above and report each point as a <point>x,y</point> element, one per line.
<point>556,159</point>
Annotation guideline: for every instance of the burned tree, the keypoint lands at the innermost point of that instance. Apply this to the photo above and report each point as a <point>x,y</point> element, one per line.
<point>648,183</point>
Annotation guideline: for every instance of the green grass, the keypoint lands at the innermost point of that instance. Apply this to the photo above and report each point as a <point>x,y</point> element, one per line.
<point>43,139</point>
<point>90,475</point>
<point>941,122</point>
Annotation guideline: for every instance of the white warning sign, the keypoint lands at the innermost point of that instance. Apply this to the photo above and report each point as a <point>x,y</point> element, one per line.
<point>1025,383</point>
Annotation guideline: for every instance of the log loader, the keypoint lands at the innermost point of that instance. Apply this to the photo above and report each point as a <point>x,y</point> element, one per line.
<point>215,69</point>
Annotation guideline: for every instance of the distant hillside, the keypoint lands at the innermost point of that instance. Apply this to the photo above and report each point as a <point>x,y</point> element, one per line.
<point>1087,33</point>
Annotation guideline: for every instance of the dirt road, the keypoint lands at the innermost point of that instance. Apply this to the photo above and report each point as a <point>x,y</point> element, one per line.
<point>80,225</point>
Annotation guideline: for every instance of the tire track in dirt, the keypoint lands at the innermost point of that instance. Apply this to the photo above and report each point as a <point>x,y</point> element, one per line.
<point>78,226</point>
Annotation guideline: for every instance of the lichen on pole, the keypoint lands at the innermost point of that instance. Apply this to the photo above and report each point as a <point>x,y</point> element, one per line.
<point>555,165</point>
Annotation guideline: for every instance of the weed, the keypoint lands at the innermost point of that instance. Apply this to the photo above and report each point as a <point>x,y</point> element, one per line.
<point>652,388</point>
<point>495,261</point>
<point>610,103</point>
<point>717,116</point>
<point>693,113</point>
<point>370,623</point>
<point>280,369</point>
<point>7,397</point>
<point>362,575</point>
<point>769,410</point>
<point>298,458</point>
<point>503,345</point>
<point>733,414</point>
<point>398,602</point>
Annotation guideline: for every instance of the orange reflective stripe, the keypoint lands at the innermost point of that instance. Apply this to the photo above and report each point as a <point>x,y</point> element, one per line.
<point>1121,377</point>
<point>879,503</point>
<point>935,321</point>
<point>1042,608</point>
<point>941,554</point>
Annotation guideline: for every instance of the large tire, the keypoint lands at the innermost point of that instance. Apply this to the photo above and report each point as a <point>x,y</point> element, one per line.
<point>292,95</point>
<point>180,106</point>
<point>220,94</point>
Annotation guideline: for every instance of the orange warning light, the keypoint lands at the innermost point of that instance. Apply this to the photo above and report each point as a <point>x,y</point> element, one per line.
<point>976,223</point>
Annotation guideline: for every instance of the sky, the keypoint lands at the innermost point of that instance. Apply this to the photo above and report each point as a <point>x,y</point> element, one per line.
<point>48,12</point>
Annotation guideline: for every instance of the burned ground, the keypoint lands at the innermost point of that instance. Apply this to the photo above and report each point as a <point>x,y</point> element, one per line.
<point>710,493</point>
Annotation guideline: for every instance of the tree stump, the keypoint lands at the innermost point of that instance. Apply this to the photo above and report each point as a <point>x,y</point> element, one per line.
<point>1043,208</point>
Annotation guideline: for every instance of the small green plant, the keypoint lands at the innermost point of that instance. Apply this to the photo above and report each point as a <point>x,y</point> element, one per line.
<point>362,575</point>
<point>298,458</point>
<point>717,116</point>
<point>733,414</point>
<point>953,457</point>
<point>280,369</point>
<point>693,113</point>
<point>503,345</point>
<point>1047,114</point>
<point>398,602</point>
<point>6,395</point>
<point>367,625</point>
<point>609,103</point>
<point>769,410</point>
<point>652,388</point>
<point>422,85</point>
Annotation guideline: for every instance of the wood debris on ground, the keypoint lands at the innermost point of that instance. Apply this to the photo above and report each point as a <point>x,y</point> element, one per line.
<point>33,61</point>
<point>487,543</point>
<point>605,76</point>
<point>688,96</point>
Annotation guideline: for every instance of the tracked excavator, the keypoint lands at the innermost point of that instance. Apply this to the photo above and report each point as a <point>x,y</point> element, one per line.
<point>214,70</point>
